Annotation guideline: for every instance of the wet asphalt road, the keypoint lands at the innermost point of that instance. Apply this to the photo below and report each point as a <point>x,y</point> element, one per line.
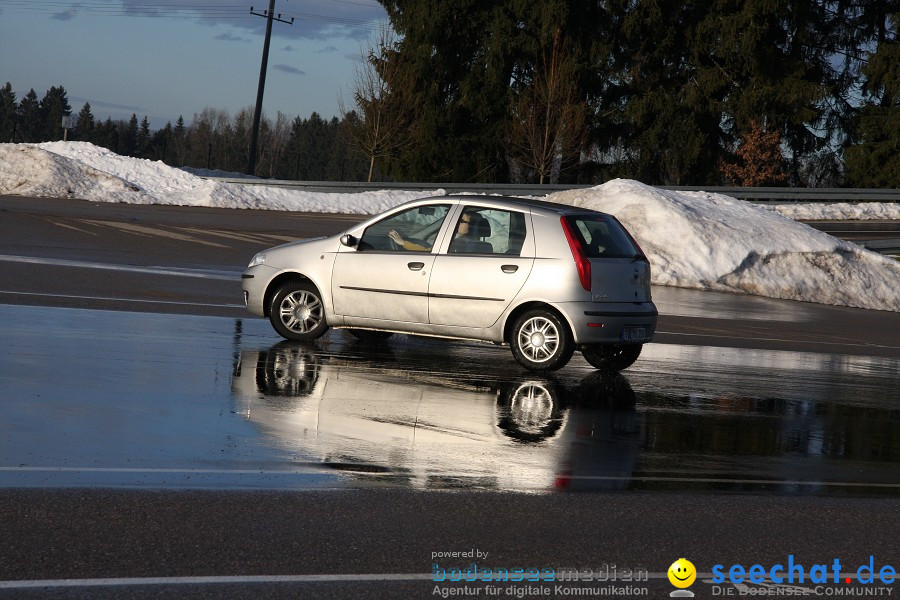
<point>152,429</point>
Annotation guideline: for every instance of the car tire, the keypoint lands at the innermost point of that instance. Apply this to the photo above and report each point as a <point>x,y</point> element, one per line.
<point>297,312</point>
<point>288,369</point>
<point>530,409</point>
<point>612,359</point>
<point>541,341</point>
<point>370,335</point>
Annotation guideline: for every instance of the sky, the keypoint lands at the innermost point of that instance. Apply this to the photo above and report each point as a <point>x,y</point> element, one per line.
<point>695,240</point>
<point>165,59</point>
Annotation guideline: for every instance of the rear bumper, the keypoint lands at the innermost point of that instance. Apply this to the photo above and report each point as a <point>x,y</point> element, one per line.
<point>604,323</point>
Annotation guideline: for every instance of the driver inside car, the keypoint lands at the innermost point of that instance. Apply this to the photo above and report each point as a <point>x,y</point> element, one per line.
<point>463,230</point>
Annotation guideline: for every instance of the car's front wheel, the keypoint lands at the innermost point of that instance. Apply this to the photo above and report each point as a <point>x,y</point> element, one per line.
<point>297,312</point>
<point>541,341</point>
<point>612,359</point>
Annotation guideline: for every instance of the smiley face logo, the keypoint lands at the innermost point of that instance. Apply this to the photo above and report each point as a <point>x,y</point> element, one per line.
<point>682,573</point>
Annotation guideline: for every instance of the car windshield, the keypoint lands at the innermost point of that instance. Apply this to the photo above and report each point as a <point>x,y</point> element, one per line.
<point>419,226</point>
<point>602,237</point>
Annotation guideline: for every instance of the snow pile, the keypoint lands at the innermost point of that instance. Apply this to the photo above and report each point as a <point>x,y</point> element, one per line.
<point>693,239</point>
<point>82,170</point>
<point>840,211</point>
<point>711,241</point>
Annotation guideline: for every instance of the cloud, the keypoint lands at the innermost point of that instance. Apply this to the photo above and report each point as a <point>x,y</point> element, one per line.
<point>107,105</point>
<point>230,37</point>
<point>289,48</point>
<point>327,50</point>
<point>289,69</point>
<point>313,19</point>
<point>66,15</point>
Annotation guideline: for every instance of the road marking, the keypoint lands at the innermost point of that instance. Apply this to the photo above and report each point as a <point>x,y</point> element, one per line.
<point>78,229</point>
<point>135,300</point>
<point>151,231</point>
<point>82,264</point>
<point>231,235</point>
<point>210,580</point>
<point>311,578</point>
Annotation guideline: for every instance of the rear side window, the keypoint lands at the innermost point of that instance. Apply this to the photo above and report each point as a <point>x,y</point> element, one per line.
<point>490,231</point>
<point>602,237</point>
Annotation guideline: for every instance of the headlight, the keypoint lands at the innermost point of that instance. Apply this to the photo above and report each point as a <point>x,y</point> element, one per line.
<point>259,259</point>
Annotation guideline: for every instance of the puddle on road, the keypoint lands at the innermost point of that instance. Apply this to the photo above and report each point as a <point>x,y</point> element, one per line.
<point>95,398</point>
<point>412,413</point>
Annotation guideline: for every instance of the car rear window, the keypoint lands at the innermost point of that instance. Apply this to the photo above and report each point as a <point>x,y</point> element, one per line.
<point>602,237</point>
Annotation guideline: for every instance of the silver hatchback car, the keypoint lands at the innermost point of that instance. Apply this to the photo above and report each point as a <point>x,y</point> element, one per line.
<point>544,278</point>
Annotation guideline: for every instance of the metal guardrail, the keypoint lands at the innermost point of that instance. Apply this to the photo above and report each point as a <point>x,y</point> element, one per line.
<point>757,194</point>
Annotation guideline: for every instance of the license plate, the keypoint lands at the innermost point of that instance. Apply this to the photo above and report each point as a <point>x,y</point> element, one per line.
<point>634,334</point>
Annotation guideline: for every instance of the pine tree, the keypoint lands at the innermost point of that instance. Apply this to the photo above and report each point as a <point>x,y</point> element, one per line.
<point>142,141</point>
<point>875,160</point>
<point>160,143</point>
<point>54,106</point>
<point>7,113</point>
<point>84,125</point>
<point>454,57</point>
<point>29,123</point>
<point>772,62</point>
<point>179,139</point>
<point>130,136</point>
<point>107,135</point>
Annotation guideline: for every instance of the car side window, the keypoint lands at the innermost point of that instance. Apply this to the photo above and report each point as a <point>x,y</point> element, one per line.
<point>413,230</point>
<point>488,231</point>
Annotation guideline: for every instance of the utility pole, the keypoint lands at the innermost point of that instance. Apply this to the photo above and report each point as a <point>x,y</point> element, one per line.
<point>270,16</point>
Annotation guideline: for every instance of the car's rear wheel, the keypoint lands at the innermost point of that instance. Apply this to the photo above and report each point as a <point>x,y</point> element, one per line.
<point>297,312</point>
<point>612,359</point>
<point>541,341</point>
<point>370,335</point>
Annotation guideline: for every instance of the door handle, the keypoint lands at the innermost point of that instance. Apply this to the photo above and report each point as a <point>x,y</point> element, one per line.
<point>415,266</point>
<point>509,268</point>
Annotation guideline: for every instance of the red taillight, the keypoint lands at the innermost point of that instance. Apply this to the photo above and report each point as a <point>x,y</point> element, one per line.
<point>581,260</point>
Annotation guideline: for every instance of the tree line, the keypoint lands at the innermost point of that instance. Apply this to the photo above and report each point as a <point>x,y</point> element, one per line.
<point>712,92</point>
<point>310,149</point>
<point>662,91</point>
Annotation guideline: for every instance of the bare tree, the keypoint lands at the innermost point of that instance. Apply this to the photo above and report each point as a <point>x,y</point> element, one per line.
<point>378,125</point>
<point>548,129</point>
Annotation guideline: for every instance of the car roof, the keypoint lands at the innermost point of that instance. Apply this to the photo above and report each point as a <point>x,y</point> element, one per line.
<point>523,203</point>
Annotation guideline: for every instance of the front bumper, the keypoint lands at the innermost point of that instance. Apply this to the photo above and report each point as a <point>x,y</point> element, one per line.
<point>611,322</point>
<point>254,282</point>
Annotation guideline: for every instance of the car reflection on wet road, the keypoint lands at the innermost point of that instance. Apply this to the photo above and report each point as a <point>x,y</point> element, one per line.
<point>174,401</point>
<point>722,419</point>
<point>430,431</point>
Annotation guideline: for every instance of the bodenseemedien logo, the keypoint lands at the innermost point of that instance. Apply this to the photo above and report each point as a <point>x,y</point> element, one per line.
<point>682,574</point>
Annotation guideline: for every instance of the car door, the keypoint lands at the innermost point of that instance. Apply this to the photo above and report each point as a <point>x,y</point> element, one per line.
<point>473,283</point>
<point>381,280</point>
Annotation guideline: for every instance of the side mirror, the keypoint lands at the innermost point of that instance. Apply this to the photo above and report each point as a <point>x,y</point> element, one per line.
<point>349,240</point>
